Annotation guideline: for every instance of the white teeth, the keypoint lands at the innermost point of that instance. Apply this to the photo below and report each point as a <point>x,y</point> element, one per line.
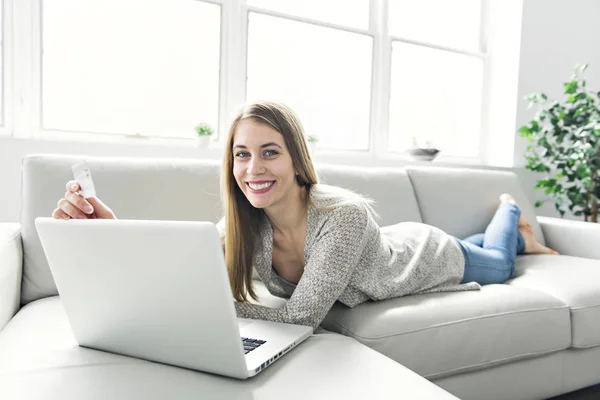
<point>260,186</point>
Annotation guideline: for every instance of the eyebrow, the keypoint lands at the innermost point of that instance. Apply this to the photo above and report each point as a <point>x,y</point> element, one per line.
<point>241,146</point>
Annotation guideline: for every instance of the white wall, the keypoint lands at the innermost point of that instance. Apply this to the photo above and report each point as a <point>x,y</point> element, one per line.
<point>556,34</point>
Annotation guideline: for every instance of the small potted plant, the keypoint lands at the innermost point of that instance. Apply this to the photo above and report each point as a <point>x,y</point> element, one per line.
<point>203,131</point>
<point>312,143</point>
<point>422,153</point>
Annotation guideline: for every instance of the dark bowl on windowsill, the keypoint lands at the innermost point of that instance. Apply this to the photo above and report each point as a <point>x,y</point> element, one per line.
<point>419,154</point>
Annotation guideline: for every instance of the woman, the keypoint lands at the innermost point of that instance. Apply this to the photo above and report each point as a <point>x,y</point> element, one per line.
<point>317,244</point>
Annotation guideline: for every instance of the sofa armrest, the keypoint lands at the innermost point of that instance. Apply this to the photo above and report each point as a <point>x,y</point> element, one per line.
<point>571,238</point>
<point>11,268</point>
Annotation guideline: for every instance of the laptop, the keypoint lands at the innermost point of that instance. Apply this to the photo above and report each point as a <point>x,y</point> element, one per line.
<point>158,290</point>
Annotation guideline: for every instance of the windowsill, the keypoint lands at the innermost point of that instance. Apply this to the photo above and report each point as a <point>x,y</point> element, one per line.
<point>116,145</point>
<point>116,139</point>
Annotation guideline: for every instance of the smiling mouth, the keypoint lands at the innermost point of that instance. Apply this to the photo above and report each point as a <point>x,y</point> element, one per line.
<point>260,187</point>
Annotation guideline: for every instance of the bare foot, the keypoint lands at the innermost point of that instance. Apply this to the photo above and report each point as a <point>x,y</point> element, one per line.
<point>532,246</point>
<point>523,221</point>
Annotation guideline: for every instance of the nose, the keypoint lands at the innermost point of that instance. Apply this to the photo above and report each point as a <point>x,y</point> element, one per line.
<point>255,166</point>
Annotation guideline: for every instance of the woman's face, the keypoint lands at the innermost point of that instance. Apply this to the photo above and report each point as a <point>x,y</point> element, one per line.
<point>262,165</point>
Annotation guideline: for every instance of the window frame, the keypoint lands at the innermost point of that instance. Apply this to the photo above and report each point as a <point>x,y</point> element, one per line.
<point>7,69</point>
<point>371,32</point>
<point>23,41</point>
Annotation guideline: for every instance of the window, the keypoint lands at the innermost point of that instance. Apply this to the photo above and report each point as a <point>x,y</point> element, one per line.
<point>454,24</point>
<point>323,74</point>
<point>127,67</point>
<point>368,77</point>
<point>2,63</point>
<point>436,76</point>
<point>354,13</point>
<point>436,99</point>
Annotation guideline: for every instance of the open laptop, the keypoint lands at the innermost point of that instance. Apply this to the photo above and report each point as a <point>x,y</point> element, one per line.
<point>158,290</point>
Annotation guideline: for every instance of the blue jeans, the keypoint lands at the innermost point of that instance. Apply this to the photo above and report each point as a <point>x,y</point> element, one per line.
<point>490,256</point>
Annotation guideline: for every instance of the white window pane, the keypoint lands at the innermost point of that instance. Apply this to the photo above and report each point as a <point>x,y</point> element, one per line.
<point>448,23</point>
<point>436,97</point>
<point>353,13</point>
<point>1,62</point>
<point>135,66</point>
<point>323,74</point>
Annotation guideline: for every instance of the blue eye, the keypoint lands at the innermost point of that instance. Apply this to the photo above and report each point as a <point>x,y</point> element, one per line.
<point>271,152</point>
<point>241,153</point>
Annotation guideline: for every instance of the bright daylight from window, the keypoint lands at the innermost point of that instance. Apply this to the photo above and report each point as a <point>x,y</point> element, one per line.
<point>436,95</point>
<point>154,68</point>
<point>330,93</point>
<point>2,66</point>
<point>134,66</point>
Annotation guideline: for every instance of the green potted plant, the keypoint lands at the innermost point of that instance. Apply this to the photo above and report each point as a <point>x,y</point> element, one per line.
<point>312,142</point>
<point>564,143</point>
<point>203,133</point>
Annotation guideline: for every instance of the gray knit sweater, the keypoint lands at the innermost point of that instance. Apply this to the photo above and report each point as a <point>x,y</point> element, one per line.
<point>349,259</point>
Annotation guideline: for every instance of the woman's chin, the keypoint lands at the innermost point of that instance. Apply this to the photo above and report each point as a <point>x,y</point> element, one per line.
<point>258,203</point>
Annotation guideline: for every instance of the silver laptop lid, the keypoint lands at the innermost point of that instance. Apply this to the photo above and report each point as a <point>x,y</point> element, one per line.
<point>156,290</point>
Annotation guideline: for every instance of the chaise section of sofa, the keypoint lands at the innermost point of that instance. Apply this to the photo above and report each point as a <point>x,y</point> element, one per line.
<point>442,334</point>
<point>39,357</point>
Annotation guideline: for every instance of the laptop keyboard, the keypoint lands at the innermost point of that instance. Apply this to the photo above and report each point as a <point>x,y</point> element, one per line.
<point>251,344</point>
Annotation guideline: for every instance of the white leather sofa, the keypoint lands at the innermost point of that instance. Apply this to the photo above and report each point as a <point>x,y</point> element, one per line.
<point>534,337</point>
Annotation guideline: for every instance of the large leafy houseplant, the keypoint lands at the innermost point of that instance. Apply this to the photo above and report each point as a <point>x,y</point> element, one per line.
<point>565,145</point>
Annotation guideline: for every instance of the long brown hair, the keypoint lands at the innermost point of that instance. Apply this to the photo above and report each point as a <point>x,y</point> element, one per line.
<point>242,219</point>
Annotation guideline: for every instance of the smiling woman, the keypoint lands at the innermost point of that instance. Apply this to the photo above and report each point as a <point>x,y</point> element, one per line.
<point>316,244</point>
<point>267,170</point>
<point>264,171</point>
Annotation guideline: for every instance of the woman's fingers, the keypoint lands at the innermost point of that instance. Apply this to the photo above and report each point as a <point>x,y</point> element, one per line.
<point>72,186</point>
<point>59,214</point>
<point>101,210</point>
<point>78,201</point>
<point>70,209</point>
<point>73,205</point>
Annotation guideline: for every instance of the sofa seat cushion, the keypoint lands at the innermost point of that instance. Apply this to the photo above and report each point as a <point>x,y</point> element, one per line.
<point>39,337</point>
<point>39,359</point>
<point>573,280</point>
<point>446,333</point>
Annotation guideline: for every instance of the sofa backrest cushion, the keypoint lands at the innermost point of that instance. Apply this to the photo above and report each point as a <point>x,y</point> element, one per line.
<point>390,188</point>
<point>134,189</point>
<point>168,189</point>
<point>463,201</point>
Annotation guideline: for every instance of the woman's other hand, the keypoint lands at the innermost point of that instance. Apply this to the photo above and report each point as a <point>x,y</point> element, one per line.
<point>74,206</point>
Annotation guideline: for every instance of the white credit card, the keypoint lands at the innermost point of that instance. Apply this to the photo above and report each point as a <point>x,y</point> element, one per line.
<point>83,176</point>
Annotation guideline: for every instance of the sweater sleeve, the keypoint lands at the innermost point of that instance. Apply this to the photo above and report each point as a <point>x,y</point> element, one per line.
<point>333,258</point>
